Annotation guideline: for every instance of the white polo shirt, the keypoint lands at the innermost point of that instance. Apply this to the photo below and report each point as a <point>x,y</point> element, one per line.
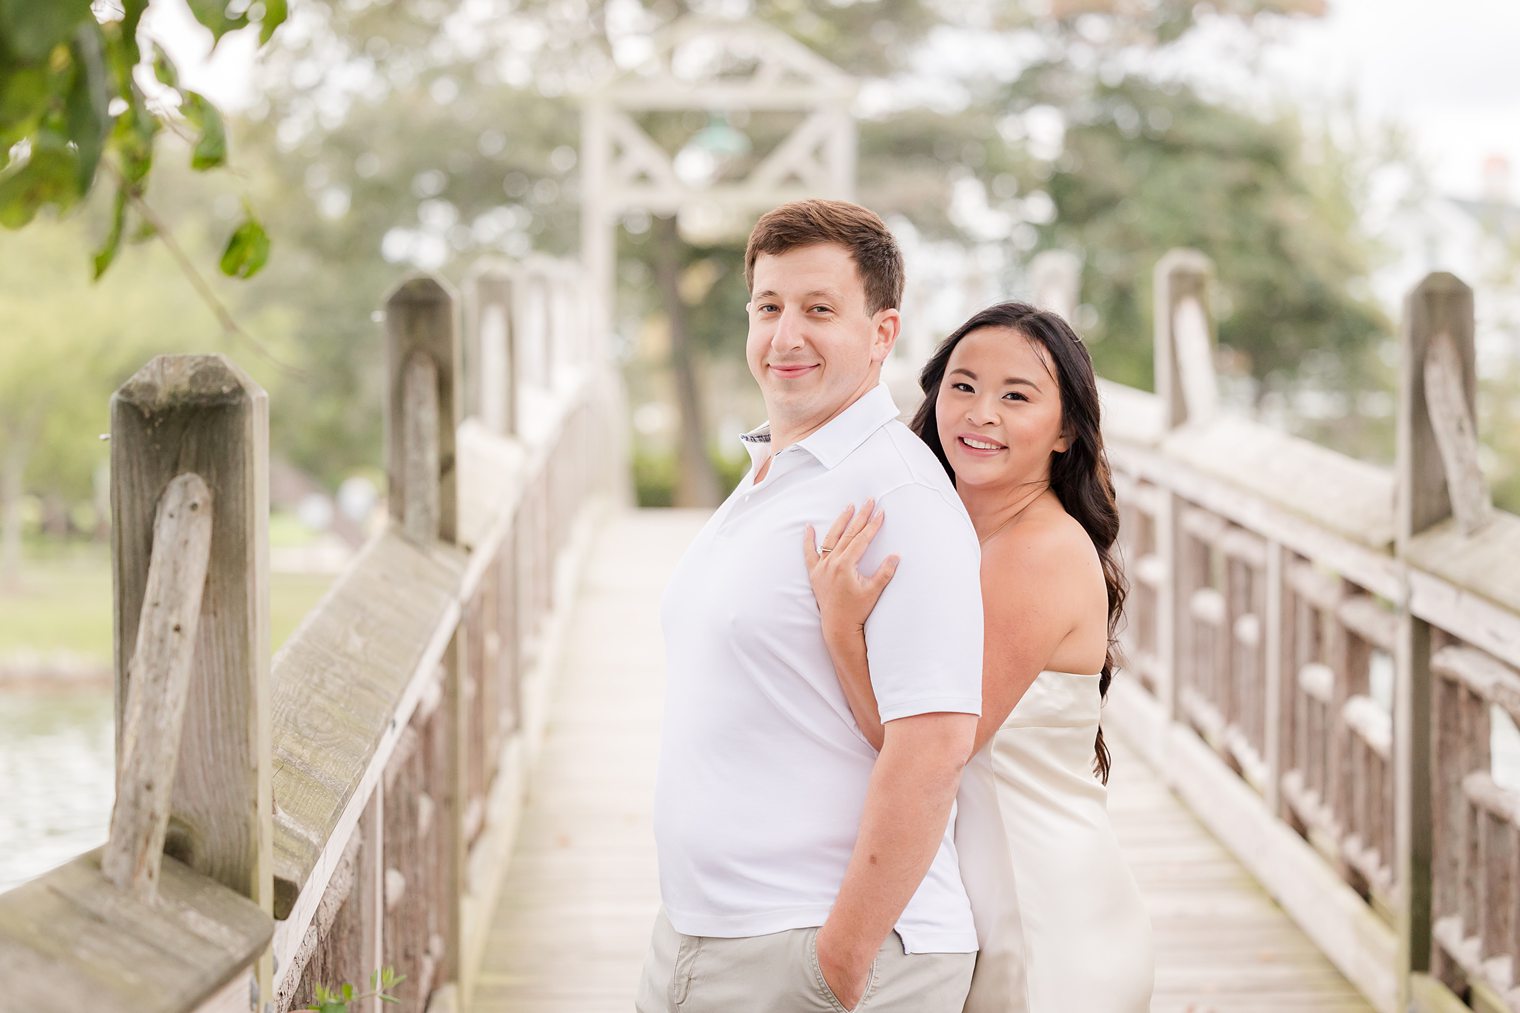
<point>763,770</point>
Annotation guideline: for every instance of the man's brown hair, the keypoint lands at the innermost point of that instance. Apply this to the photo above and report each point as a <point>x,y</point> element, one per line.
<point>859,230</point>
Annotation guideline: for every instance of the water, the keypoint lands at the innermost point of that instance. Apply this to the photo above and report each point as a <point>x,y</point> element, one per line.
<point>57,773</point>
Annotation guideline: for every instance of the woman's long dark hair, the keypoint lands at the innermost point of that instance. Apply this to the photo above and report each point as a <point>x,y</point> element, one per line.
<point>1080,475</point>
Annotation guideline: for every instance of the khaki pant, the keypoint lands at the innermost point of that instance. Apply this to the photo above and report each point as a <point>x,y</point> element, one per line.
<point>778,973</point>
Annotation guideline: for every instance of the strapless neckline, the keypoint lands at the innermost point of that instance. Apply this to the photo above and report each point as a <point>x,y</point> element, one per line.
<point>1059,700</point>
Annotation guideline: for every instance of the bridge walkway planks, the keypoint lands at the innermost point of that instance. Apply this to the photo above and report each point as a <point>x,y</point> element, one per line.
<point>569,932</point>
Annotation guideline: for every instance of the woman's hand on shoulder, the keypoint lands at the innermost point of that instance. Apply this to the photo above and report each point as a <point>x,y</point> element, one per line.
<point>845,595</point>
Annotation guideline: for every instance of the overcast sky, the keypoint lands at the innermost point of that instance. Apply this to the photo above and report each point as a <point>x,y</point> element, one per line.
<point>1449,70</point>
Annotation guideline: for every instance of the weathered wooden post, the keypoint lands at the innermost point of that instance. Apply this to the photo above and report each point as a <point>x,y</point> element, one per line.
<point>190,433</point>
<point>423,414</point>
<point>1185,338</point>
<point>532,319</point>
<point>1436,478</point>
<point>1184,369</point>
<point>421,342</point>
<point>490,348</point>
<point>530,322</point>
<point>559,318</point>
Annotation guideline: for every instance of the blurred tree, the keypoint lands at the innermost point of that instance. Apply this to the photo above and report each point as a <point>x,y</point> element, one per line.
<point>1140,159</point>
<point>486,162</point>
<point>1151,167</point>
<point>414,151</point>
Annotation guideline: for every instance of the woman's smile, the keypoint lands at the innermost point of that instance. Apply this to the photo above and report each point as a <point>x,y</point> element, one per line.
<point>979,446</point>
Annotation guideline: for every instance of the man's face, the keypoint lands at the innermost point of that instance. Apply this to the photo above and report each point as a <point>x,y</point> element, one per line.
<point>813,347</point>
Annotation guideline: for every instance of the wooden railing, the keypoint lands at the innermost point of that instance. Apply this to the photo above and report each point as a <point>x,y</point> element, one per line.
<point>1316,649</point>
<point>349,806</point>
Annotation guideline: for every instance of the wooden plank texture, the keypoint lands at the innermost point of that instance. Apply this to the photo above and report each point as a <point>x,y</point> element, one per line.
<point>339,684</point>
<point>1349,497</point>
<point>71,940</point>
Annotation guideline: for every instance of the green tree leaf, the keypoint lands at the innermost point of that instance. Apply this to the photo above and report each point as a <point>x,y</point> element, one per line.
<point>122,55</point>
<point>247,250</point>
<point>211,150</point>
<point>23,93</point>
<point>89,123</point>
<point>145,231</point>
<point>164,69</point>
<point>132,139</point>
<point>214,15</point>
<point>275,12</point>
<point>49,176</point>
<point>107,251</point>
<point>30,29</point>
<point>348,992</point>
<point>131,16</point>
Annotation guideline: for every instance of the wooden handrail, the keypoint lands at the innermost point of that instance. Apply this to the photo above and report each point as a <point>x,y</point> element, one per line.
<point>1273,581</point>
<point>365,790</point>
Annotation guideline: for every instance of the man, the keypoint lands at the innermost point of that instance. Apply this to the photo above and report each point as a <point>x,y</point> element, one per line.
<point>799,869</point>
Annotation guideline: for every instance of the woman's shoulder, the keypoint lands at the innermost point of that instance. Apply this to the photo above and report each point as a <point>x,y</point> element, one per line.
<point>1041,581</point>
<point>1049,549</point>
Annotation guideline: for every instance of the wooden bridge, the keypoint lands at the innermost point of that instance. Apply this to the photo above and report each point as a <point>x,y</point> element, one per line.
<point>447,769</point>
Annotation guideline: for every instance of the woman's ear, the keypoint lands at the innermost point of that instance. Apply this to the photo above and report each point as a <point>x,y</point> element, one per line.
<point>1063,443</point>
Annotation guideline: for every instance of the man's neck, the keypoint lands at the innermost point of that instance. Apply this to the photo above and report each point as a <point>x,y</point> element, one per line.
<point>786,432</point>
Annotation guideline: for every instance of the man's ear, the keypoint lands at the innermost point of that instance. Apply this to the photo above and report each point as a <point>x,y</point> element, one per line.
<point>888,328</point>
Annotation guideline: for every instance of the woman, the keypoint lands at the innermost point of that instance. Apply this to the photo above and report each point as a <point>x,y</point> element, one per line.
<point>1011,410</point>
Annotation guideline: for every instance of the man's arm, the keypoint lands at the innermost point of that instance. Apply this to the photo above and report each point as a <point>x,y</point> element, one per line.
<point>907,808</point>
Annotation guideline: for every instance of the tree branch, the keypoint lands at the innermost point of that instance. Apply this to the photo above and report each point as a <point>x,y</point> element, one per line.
<point>199,283</point>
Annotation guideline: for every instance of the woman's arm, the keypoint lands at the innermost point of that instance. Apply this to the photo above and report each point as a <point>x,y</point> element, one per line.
<point>847,649</point>
<point>845,600</point>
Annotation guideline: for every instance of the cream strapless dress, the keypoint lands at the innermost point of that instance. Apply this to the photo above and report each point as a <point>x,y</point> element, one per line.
<point>1060,922</point>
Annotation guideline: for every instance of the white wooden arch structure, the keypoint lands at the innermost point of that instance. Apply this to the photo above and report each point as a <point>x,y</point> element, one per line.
<point>717,66</point>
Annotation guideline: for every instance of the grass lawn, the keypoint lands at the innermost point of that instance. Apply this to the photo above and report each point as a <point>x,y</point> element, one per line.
<point>63,604</point>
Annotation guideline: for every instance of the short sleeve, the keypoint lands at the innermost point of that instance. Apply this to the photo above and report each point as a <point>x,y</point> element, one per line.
<point>924,638</point>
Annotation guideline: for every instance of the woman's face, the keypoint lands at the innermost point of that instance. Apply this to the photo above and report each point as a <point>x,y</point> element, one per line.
<point>999,409</point>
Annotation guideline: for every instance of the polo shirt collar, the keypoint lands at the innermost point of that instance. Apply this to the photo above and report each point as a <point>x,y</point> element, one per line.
<point>840,435</point>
